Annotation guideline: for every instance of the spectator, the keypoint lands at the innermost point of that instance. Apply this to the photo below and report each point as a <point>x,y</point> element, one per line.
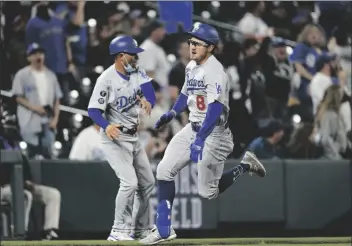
<point>330,124</point>
<point>137,22</point>
<point>86,146</point>
<point>267,148</point>
<point>310,43</point>
<point>304,143</point>
<point>49,196</point>
<point>153,60</point>
<point>251,24</point>
<point>329,73</point>
<point>48,31</point>
<point>158,142</point>
<point>340,46</point>
<point>38,96</point>
<point>16,46</point>
<point>278,73</point>
<point>72,13</point>
<point>323,79</point>
<point>177,74</point>
<point>244,128</point>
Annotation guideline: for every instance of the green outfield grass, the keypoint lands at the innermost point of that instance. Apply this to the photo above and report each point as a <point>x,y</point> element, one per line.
<point>338,241</point>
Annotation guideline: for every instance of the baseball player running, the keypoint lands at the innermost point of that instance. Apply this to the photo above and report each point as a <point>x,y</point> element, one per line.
<point>206,140</point>
<point>119,92</point>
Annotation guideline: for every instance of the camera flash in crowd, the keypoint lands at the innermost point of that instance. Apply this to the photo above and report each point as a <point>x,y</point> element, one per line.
<point>23,145</point>
<point>85,86</point>
<point>151,14</point>
<point>73,97</point>
<point>77,121</point>
<point>206,15</point>
<point>57,145</point>
<point>57,149</point>
<point>65,133</point>
<point>296,119</point>
<point>99,69</point>
<point>92,22</point>
<point>289,50</point>
<point>171,58</point>
<point>215,4</point>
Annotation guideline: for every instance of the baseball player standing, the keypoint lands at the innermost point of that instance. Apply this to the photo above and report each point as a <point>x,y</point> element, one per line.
<point>206,140</point>
<point>119,92</point>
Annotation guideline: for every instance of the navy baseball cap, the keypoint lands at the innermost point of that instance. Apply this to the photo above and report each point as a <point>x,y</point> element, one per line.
<point>279,43</point>
<point>324,59</point>
<point>274,126</point>
<point>34,47</point>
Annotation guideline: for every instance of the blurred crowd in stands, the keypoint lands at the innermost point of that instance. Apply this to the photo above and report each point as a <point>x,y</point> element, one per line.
<point>287,100</point>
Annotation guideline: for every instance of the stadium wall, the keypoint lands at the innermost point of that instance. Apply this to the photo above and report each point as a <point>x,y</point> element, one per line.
<point>304,197</point>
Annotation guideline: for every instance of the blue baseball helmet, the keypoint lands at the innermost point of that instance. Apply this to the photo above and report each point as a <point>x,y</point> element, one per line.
<point>205,32</point>
<point>124,44</point>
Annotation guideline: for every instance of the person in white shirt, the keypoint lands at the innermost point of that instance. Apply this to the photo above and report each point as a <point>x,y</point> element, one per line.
<point>323,79</point>
<point>86,146</point>
<point>37,92</point>
<point>153,60</point>
<point>251,24</point>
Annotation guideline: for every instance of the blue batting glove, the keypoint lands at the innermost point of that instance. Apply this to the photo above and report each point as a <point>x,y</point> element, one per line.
<point>197,150</point>
<point>164,119</point>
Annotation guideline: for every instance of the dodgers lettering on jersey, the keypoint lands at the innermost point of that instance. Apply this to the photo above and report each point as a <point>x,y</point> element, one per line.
<point>117,96</point>
<point>203,85</point>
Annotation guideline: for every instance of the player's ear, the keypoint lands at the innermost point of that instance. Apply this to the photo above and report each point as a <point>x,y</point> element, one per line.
<point>211,49</point>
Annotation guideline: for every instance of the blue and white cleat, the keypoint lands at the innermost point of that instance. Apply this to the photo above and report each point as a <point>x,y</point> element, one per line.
<point>119,236</point>
<point>255,166</point>
<point>154,237</point>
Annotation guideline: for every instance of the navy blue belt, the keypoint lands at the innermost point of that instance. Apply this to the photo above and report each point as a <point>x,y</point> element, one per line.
<point>129,131</point>
<point>196,126</point>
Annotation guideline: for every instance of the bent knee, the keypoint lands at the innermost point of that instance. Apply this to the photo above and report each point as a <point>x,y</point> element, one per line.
<point>130,186</point>
<point>163,172</point>
<point>209,194</point>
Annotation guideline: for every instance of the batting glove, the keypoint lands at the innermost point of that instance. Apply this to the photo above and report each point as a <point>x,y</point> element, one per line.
<point>197,150</point>
<point>164,119</point>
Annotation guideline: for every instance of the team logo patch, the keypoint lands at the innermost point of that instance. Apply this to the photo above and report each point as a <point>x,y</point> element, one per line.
<point>103,93</point>
<point>101,100</point>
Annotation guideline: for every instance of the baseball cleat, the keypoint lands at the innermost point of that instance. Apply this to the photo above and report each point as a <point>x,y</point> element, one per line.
<point>139,235</point>
<point>255,166</point>
<point>154,237</point>
<point>119,236</point>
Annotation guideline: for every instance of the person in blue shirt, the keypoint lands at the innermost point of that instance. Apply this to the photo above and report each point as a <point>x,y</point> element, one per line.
<point>48,32</point>
<point>266,147</point>
<point>310,46</point>
<point>72,14</point>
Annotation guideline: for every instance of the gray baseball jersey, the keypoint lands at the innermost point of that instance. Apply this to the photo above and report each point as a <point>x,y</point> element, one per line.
<point>203,85</point>
<point>116,94</point>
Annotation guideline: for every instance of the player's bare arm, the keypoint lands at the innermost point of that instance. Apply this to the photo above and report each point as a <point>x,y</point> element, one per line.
<point>147,106</point>
<point>113,131</point>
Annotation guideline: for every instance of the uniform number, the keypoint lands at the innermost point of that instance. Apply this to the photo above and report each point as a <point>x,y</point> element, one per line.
<point>200,102</point>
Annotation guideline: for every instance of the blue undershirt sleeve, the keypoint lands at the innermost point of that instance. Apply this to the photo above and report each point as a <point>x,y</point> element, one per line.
<point>96,115</point>
<point>211,119</point>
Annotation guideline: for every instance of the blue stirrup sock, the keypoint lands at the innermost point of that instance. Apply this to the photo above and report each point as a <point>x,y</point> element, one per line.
<point>166,195</point>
